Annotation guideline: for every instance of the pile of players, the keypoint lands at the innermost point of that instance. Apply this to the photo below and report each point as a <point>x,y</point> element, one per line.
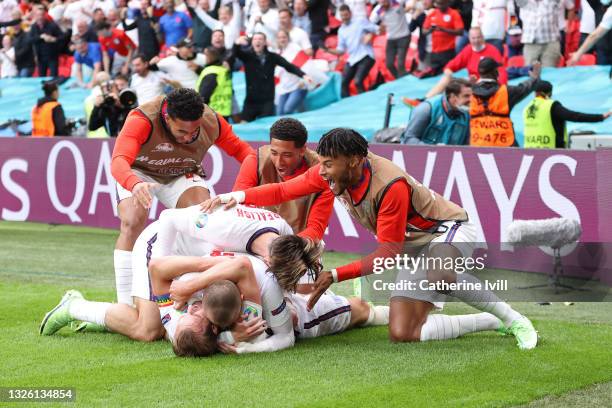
<point>226,274</point>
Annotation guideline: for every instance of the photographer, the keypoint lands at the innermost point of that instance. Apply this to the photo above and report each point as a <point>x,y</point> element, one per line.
<point>112,106</point>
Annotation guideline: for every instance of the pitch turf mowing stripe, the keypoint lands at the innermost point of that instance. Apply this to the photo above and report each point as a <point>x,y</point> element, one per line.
<point>595,396</point>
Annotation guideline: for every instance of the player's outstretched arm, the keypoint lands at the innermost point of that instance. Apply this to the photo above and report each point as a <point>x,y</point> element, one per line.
<point>282,338</point>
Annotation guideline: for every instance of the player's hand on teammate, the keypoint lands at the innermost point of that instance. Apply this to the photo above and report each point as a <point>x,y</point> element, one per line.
<point>248,330</point>
<point>229,199</point>
<point>323,282</point>
<point>179,293</point>
<point>142,194</point>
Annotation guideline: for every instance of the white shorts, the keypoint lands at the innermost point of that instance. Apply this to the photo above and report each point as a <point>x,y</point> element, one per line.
<point>331,314</point>
<point>141,255</point>
<point>167,194</point>
<point>460,235</point>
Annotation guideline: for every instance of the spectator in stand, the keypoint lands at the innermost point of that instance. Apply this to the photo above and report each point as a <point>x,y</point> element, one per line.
<point>6,10</point>
<point>300,16</point>
<point>85,32</point>
<point>317,11</point>
<point>215,84</point>
<point>540,31</point>
<point>114,19</point>
<point>392,14</point>
<point>105,5</point>
<point>146,25</point>
<point>296,35</point>
<point>290,90</point>
<point>465,9</point>
<point>443,119</point>
<point>354,38</point>
<point>604,28</point>
<point>185,66</point>
<point>587,20</point>
<point>48,118</point>
<point>148,84</point>
<point>24,52</point>
<point>98,18</point>
<point>515,46</point>
<point>359,9</point>
<point>217,41</point>
<point>174,25</point>
<point>492,16</point>
<point>77,11</point>
<point>264,20</point>
<point>566,14</point>
<point>200,33</point>
<point>87,62</point>
<point>492,102</point>
<point>117,49</point>
<point>468,58</point>
<point>420,10</point>
<point>259,64</point>
<point>8,68</point>
<point>45,38</point>
<point>444,24</point>
<point>230,20</point>
<point>545,119</point>
<point>603,46</point>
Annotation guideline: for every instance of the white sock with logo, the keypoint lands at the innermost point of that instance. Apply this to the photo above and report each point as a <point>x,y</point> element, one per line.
<point>485,300</point>
<point>441,327</point>
<point>93,312</point>
<point>123,276</point>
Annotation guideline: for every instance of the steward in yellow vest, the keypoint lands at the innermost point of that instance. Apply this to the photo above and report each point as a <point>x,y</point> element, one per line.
<point>545,120</point>
<point>48,118</point>
<point>215,84</point>
<point>491,104</point>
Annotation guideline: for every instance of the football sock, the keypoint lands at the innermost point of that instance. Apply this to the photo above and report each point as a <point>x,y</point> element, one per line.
<point>123,276</point>
<point>441,327</point>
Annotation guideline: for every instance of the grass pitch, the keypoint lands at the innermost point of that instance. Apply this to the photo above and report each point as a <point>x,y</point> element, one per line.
<point>38,263</point>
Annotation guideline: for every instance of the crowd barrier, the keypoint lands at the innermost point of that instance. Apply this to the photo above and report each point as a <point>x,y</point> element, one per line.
<point>68,181</point>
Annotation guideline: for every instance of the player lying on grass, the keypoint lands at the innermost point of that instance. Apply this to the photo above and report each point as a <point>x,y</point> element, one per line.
<point>406,217</point>
<point>333,314</point>
<point>141,322</point>
<point>246,272</point>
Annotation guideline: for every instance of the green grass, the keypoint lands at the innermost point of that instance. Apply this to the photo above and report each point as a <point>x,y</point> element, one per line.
<point>356,368</point>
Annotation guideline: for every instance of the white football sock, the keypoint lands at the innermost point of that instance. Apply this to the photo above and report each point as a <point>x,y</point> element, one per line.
<point>379,316</point>
<point>441,327</point>
<point>485,300</point>
<point>93,312</point>
<point>123,276</point>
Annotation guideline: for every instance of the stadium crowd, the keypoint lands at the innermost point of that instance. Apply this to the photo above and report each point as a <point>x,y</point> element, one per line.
<point>144,48</point>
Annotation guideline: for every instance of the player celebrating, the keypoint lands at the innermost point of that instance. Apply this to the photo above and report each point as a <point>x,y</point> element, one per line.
<point>159,151</point>
<point>400,211</point>
<point>285,158</point>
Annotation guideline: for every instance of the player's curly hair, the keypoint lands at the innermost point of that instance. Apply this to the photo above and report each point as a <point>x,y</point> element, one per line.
<point>342,142</point>
<point>222,303</point>
<point>292,257</point>
<point>192,343</point>
<point>185,104</point>
<point>289,129</point>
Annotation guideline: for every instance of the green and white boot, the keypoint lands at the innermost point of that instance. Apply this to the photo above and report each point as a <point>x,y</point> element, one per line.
<point>86,327</point>
<point>59,316</point>
<point>524,332</point>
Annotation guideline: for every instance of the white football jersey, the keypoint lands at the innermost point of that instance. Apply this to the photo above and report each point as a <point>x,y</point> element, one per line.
<point>228,230</point>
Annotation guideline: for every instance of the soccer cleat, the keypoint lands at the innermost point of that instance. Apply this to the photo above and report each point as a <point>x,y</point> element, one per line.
<point>59,316</point>
<point>524,332</point>
<point>86,327</point>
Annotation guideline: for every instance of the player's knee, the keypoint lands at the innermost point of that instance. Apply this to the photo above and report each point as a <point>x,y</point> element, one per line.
<point>360,311</point>
<point>402,334</point>
<point>133,225</point>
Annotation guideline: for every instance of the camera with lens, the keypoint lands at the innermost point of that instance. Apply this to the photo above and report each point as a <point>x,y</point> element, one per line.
<point>107,89</point>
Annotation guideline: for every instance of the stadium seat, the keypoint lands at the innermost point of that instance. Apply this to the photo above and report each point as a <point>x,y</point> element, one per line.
<point>516,61</point>
<point>587,59</point>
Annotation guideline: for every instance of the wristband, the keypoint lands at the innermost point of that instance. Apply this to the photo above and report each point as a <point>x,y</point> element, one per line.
<point>239,196</point>
<point>334,275</point>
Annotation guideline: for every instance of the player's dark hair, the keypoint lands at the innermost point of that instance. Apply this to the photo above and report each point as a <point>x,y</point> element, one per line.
<point>191,343</point>
<point>185,104</point>
<point>342,142</point>
<point>222,302</point>
<point>289,129</point>
<point>455,85</point>
<point>292,257</point>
